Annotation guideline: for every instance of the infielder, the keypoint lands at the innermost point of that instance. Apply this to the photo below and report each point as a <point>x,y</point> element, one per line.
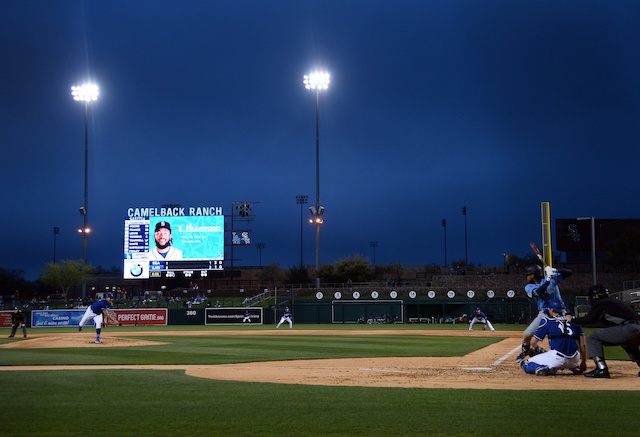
<point>247,317</point>
<point>96,312</point>
<point>286,317</point>
<point>480,317</point>
<point>568,349</point>
<point>622,328</point>
<point>17,321</point>
<point>543,287</point>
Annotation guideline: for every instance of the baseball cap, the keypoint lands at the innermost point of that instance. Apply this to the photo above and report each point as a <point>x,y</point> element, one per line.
<point>555,305</point>
<point>163,224</point>
<point>110,295</point>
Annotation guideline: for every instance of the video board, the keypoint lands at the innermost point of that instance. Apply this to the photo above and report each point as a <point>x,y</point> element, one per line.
<point>158,242</point>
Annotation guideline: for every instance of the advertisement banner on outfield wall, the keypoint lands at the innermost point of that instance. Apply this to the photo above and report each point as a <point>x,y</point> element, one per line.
<point>150,316</point>
<point>233,316</point>
<point>5,319</point>
<point>57,318</point>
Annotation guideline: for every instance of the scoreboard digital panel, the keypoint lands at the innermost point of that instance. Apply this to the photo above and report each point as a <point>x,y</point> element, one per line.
<point>161,241</point>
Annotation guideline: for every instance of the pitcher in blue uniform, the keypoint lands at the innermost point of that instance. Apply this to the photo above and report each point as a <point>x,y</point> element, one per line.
<point>98,311</point>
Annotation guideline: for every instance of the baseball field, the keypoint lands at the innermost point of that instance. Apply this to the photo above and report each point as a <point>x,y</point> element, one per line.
<point>312,380</point>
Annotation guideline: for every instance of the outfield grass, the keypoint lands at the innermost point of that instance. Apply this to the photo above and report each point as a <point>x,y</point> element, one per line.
<point>169,403</point>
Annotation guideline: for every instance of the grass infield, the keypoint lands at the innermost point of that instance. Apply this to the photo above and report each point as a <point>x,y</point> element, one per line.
<point>169,403</point>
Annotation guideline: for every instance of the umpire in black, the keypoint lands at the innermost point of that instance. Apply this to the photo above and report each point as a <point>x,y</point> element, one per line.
<point>17,321</point>
<point>621,328</point>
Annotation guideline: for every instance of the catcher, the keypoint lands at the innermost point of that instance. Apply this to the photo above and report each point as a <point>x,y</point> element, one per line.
<point>568,349</point>
<point>99,312</point>
<point>17,321</point>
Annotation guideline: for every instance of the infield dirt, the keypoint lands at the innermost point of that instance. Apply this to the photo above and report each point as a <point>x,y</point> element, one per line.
<point>492,367</point>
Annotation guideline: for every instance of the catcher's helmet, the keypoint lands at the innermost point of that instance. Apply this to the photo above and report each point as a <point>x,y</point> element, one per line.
<point>556,305</point>
<point>533,269</point>
<point>596,292</point>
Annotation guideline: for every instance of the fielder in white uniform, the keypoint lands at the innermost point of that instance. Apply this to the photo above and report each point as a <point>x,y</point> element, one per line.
<point>286,317</point>
<point>247,317</point>
<point>164,249</point>
<point>480,317</point>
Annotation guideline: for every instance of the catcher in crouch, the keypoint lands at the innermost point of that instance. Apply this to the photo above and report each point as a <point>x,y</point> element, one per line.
<point>98,311</point>
<point>568,349</point>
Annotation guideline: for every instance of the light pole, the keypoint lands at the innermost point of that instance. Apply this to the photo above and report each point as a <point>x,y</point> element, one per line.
<point>302,199</point>
<point>85,93</point>
<point>593,246</point>
<point>260,246</point>
<point>56,232</point>
<point>317,82</point>
<point>466,253</point>
<point>444,226</point>
<point>373,245</point>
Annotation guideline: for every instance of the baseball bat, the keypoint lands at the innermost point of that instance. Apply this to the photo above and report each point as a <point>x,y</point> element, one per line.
<point>538,253</point>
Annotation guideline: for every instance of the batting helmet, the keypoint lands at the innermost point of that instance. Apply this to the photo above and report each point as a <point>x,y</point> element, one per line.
<point>556,305</point>
<point>596,292</point>
<point>533,269</point>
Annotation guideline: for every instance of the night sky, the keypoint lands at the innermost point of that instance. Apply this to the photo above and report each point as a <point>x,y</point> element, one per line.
<point>433,106</point>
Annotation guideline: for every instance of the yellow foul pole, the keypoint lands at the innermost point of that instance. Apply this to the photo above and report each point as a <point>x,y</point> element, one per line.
<point>547,252</point>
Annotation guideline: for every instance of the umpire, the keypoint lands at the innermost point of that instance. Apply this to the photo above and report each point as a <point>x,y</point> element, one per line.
<point>17,321</point>
<point>621,328</point>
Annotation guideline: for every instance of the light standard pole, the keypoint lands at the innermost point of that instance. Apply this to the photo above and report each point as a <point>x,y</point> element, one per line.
<point>56,232</point>
<point>444,226</point>
<point>373,245</point>
<point>466,253</point>
<point>85,93</point>
<point>302,199</point>
<point>260,246</point>
<point>317,82</point>
<point>593,247</point>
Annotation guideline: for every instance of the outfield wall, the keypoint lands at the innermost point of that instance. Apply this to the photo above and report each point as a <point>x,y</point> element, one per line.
<point>517,310</point>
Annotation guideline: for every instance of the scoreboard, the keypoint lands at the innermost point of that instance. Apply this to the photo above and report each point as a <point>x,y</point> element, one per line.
<point>158,242</point>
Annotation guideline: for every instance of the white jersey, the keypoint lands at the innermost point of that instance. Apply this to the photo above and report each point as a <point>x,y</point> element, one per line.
<point>172,254</point>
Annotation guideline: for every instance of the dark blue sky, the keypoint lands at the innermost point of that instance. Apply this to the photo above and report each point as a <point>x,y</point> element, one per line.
<point>432,106</point>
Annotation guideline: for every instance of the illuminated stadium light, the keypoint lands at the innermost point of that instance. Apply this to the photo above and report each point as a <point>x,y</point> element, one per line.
<point>85,93</point>
<point>318,81</point>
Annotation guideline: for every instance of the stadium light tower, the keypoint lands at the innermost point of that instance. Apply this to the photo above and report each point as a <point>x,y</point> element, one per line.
<point>85,93</point>
<point>317,82</point>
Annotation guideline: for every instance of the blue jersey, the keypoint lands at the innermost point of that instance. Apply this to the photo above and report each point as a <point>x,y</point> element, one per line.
<point>563,335</point>
<point>552,291</point>
<point>286,314</point>
<point>100,305</point>
<point>480,315</point>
